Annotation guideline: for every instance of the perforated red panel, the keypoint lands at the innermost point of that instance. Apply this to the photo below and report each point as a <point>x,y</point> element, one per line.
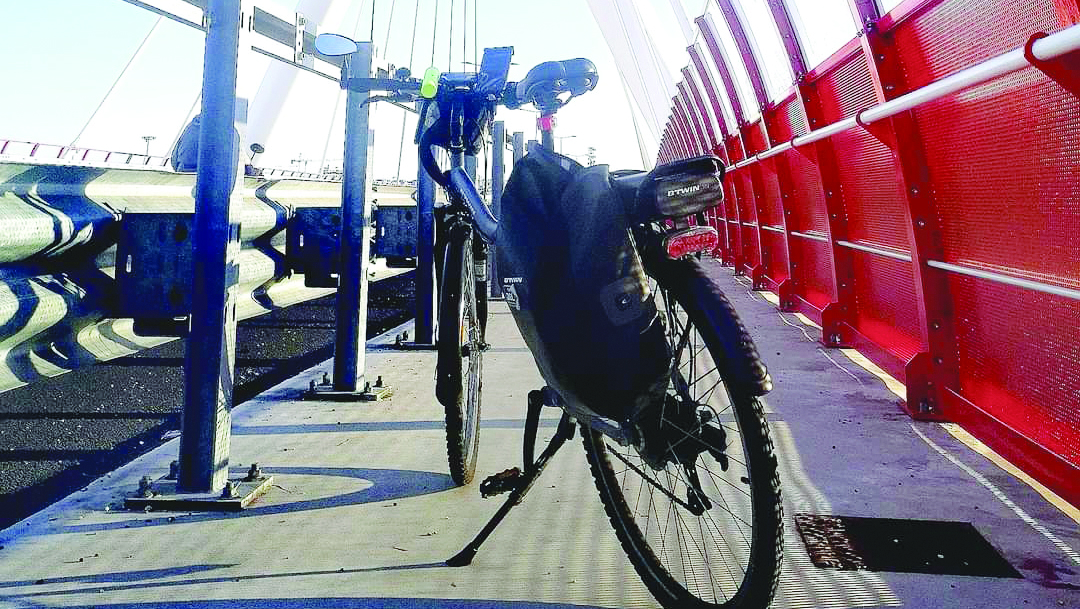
<point>813,271</point>
<point>845,90</point>
<point>786,121</point>
<point>744,193</point>
<point>875,211</point>
<point>774,255</point>
<point>731,217</point>
<point>770,208</point>
<point>807,199</point>
<point>754,136</point>
<point>885,306</point>
<point>1003,159</point>
<point>1019,353</point>
<point>954,35</point>
<point>1005,163</point>
<point>876,205</point>
<point>734,149</point>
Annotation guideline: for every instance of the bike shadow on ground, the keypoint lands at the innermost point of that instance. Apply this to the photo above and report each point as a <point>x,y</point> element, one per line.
<point>258,430</point>
<point>142,580</point>
<point>324,602</point>
<point>384,485</point>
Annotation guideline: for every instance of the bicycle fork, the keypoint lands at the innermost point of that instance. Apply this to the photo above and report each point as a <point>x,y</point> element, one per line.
<point>519,482</point>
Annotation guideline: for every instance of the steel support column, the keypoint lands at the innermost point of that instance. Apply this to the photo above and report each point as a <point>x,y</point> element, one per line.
<point>685,132</point>
<point>733,144</point>
<point>498,150</point>
<point>355,220</point>
<point>928,375</point>
<point>519,146</point>
<point>786,290</point>
<point>425,256</point>
<point>211,345</point>
<point>704,144</point>
<point>702,111</point>
<point>742,42</point>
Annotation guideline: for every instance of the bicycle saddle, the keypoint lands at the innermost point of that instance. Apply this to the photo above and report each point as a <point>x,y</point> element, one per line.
<point>545,81</point>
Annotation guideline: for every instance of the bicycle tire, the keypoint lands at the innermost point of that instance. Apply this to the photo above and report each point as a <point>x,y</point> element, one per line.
<point>758,551</point>
<point>458,389</point>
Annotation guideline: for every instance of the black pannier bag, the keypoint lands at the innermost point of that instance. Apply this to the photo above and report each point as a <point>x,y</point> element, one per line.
<point>577,289</point>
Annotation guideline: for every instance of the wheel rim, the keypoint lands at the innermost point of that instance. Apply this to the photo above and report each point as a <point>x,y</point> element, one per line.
<point>470,337</point>
<point>708,555</point>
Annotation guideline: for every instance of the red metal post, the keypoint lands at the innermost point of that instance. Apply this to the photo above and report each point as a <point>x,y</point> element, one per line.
<point>929,374</point>
<point>696,119</point>
<point>684,128</point>
<point>702,111</point>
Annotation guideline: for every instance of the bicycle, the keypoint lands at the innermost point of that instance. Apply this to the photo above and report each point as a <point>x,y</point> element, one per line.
<point>706,421</point>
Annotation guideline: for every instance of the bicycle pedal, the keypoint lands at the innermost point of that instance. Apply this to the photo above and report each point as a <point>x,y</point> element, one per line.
<point>499,483</point>
<point>466,350</point>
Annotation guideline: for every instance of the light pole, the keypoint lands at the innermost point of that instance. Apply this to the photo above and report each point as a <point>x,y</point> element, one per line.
<point>148,139</point>
<point>561,138</point>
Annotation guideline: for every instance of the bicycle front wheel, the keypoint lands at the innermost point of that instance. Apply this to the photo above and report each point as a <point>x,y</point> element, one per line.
<point>460,359</point>
<point>697,507</point>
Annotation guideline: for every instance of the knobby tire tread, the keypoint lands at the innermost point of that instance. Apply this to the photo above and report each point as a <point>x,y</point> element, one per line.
<point>763,572</point>
<point>461,458</point>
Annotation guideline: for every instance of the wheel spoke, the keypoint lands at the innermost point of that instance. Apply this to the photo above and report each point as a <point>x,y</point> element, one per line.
<point>658,516</point>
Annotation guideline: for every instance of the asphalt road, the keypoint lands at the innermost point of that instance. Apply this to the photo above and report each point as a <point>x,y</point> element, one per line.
<point>60,433</point>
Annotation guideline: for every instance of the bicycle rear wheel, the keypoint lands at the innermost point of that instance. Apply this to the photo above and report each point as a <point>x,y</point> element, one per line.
<point>460,359</point>
<point>697,508</point>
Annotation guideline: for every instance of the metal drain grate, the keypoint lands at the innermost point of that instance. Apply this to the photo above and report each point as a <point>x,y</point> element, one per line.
<point>905,546</point>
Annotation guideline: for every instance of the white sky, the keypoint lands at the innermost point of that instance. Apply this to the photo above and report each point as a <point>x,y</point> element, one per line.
<point>70,52</point>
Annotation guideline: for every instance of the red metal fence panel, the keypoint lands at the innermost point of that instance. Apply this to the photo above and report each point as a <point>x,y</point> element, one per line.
<point>942,242</point>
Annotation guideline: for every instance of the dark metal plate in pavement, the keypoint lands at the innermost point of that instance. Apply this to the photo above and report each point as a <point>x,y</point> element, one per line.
<point>906,546</point>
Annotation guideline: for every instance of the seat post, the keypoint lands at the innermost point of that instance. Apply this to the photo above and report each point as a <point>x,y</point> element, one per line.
<point>546,122</point>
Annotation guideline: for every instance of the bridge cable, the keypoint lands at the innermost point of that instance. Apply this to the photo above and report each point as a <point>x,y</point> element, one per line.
<point>372,36</point>
<point>434,31</point>
<point>412,53</point>
<point>389,23</point>
<point>450,40</point>
<point>134,56</point>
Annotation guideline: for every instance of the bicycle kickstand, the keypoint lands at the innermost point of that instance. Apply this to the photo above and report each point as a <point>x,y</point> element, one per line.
<point>564,432</point>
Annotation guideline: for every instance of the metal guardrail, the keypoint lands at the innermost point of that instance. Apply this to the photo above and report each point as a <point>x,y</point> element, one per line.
<point>1042,49</point>
<point>59,227</point>
<point>16,151</point>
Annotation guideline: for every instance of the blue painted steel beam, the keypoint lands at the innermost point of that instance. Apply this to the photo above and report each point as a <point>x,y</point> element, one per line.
<point>519,146</point>
<point>425,257</point>
<point>211,345</point>
<point>498,175</point>
<point>351,306</point>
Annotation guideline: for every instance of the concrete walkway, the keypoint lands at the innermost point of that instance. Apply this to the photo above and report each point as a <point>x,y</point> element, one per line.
<point>363,513</point>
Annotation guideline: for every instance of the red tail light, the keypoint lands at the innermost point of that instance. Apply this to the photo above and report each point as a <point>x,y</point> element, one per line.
<point>691,241</point>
